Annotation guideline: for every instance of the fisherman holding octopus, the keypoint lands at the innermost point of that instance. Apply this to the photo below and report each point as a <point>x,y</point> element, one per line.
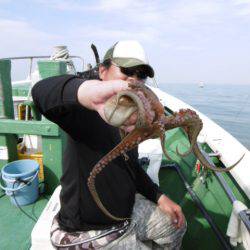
<point>76,104</point>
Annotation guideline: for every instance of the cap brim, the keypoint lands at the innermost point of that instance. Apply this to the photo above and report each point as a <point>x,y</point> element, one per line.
<point>132,62</point>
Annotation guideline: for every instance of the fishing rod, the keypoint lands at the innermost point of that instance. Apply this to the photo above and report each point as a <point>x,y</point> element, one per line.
<point>222,239</point>
<point>92,72</point>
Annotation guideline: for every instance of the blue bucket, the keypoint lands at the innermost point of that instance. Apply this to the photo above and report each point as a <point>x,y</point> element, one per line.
<point>21,180</point>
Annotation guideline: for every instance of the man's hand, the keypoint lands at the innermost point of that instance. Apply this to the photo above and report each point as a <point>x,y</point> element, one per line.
<point>93,94</point>
<point>170,208</point>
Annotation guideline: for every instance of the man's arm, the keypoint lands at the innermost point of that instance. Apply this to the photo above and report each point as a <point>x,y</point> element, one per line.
<point>150,190</point>
<point>56,99</point>
<point>66,100</point>
<point>53,93</point>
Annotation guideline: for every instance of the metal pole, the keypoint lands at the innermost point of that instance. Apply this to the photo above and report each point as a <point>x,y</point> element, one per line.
<point>243,215</point>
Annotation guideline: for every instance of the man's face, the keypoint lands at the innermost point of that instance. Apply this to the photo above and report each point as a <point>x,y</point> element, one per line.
<point>114,73</point>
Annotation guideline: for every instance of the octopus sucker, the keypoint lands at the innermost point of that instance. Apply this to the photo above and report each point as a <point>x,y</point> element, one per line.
<point>151,123</point>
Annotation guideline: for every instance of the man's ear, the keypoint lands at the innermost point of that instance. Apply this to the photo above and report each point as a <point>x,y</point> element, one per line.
<point>102,72</point>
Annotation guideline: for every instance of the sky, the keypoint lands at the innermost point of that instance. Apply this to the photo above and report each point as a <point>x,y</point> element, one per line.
<point>186,41</point>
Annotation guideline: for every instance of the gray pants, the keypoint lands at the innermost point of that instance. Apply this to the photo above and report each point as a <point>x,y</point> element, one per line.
<point>150,229</point>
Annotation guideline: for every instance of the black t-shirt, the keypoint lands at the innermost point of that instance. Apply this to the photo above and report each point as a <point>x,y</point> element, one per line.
<point>89,139</point>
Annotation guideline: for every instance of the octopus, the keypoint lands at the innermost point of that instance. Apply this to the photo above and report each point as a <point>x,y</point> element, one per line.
<point>152,122</point>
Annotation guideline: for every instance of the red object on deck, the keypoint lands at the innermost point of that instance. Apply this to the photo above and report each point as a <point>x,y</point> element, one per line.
<point>198,167</point>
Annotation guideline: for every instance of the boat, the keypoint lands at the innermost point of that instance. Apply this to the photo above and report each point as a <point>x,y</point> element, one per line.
<point>201,84</point>
<point>207,198</point>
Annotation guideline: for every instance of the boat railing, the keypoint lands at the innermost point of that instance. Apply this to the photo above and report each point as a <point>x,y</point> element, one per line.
<point>243,215</point>
<point>31,58</point>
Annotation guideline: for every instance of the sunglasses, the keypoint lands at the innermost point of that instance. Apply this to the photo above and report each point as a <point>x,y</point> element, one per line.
<point>138,71</point>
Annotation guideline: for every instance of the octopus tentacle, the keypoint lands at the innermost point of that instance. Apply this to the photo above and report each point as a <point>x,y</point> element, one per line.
<point>192,120</point>
<point>163,138</point>
<point>123,135</point>
<point>188,119</point>
<point>96,198</point>
<point>129,142</point>
<point>192,131</point>
<point>206,163</point>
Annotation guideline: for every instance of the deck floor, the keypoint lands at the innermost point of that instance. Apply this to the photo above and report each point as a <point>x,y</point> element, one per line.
<point>15,226</point>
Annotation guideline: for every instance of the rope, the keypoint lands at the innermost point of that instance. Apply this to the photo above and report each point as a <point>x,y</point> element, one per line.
<point>61,53</point>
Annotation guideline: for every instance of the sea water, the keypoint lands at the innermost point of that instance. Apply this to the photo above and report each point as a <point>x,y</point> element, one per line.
<point>227,105</point>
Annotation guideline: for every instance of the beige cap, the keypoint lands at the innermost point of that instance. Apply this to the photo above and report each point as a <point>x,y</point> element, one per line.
<point>127,54</point>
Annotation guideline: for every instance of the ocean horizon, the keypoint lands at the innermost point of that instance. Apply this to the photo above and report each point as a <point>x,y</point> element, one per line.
<point>227,105</point>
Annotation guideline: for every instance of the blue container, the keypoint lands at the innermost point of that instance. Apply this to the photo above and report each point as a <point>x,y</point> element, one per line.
<point>21,180</point>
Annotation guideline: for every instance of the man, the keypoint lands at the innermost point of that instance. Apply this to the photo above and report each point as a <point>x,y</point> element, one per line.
<point>76,105</point>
